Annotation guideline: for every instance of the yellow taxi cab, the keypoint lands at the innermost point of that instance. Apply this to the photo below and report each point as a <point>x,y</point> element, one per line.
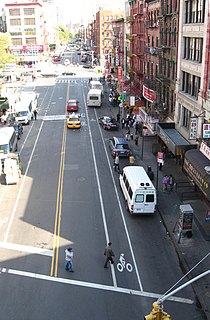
<point>73,121</point>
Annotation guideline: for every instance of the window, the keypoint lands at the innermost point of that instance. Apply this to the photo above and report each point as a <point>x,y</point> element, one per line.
<point>130,192</point>
<point>186,115</point>
<point>15,22</point>
<point>150,198</point>
<point>29,21</point>
<point>14,12</point>
<point>31,31</point>
<point>193,49</point>
<point>139,198</point>
<point>29,11</point>
<point>17,42</point>
<point>194,11</point>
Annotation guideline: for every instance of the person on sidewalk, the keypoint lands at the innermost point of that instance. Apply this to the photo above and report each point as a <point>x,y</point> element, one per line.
<point>108,252</point>
<point>35,114</point>
<point>132,160</point>
<point>170,183</point>
<point>136,140</point>
<point>117,163</point>
<point>123,123</point>
<point>69,260</point>
<point>165,183</point>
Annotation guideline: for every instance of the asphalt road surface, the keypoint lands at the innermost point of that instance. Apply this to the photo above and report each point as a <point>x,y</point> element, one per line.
<point>69,196</point>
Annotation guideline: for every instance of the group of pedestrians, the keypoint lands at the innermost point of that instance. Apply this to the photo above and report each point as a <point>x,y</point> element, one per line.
<point>108,252</point>
<point>168,183</point>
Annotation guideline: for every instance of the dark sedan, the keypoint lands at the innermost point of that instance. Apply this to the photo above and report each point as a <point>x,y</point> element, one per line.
<point>68,73</point>
<point>108,123</point>
<point>87,66</point>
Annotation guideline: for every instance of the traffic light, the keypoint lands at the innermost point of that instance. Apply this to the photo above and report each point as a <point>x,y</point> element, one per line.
<point>157,314</point>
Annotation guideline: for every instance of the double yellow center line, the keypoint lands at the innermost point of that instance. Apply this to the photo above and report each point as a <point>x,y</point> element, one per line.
<point>56,239</point>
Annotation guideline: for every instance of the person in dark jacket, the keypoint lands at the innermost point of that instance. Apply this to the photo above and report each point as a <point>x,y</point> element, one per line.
<point>109,254</point>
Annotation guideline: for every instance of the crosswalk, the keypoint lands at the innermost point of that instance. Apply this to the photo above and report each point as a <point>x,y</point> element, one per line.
<point>73,81</point>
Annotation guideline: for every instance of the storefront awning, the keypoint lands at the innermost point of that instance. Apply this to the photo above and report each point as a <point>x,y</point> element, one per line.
<point>175,142</point>
<point>195,163</point>
<point>4,104</point>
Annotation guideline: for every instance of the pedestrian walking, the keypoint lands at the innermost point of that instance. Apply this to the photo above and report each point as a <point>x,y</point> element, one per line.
<point>165,183</point>
<point>69,259</point>
<point>118,117</point>
<point>136,128</point>
<point>108,252</point>
<point>123,123</point>
<point>136,140</point>
<point>170,183</point>
<point>35,114</point>
<point>117,163</point>
<point>132,160</point>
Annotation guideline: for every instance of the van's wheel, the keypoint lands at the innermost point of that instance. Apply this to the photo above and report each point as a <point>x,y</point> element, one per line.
<point>126,206</point>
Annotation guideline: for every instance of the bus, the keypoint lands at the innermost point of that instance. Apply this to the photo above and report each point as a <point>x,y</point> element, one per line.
<point>138,190</point>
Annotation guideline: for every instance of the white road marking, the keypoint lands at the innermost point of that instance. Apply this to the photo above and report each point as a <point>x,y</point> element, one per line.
<point>92,285</point>
<point>120,208</point>
<point>23,248</point>
<point>99,191</point>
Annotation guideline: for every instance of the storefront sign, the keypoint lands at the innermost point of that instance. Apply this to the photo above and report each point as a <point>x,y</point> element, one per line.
<point>193,128</point>
<point>205,150</point>
<point>148,94</point>
<point>132,101</point>
<point>206,130</point>
<point>119,73</point>
<point>26,48</point>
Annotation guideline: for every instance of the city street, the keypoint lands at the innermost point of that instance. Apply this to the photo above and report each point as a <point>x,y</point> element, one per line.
<point>69,196</point>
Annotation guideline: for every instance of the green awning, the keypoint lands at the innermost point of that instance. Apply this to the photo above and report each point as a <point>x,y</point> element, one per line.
<point>4,104</point>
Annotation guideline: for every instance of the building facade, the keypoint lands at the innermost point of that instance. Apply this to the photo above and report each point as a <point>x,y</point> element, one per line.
<point>26,25</point>
<point>192,87</point>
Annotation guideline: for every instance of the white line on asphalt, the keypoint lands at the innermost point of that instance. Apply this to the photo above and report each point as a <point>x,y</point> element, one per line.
<point>92,285</point>
<point>99,191</point>
<point>23,248</point>
<point>120,207</point>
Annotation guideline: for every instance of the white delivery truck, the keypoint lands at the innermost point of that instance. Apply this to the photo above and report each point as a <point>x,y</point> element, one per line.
<point>24,109</point>
<point>94,98</point>
<point>138,190</point>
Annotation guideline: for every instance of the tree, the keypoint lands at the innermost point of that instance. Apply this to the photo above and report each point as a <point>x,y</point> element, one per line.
<point>64,34</point>
<point>5,56</point>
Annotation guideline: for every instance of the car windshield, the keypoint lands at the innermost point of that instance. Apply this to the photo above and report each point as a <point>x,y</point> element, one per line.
<point>73,119</point>
<point>4,148</point>
<point>122,146</point>
<point>22,114</point>
<point>72,104</point>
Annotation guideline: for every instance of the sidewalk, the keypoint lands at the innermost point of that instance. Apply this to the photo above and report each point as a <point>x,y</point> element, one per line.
<point>190,250</point>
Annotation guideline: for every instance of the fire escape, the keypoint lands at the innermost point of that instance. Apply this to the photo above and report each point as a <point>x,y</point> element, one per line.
<point>166,75</point>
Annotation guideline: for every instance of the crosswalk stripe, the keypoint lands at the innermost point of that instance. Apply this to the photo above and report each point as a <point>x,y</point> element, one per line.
<point>92,285</point>
<point>24,248</point>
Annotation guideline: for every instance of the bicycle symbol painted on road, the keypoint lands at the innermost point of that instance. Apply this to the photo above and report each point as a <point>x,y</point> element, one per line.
<point>3,221</point>
<point>123,265</point>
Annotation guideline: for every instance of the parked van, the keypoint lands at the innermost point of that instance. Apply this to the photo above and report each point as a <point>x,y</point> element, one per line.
<point>96,85</point>
<point>138,190</point>
<point>24,111</point>
<point>94,98</point>
<point>8,141</point>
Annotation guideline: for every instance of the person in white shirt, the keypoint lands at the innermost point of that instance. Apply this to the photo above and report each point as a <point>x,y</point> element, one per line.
<point>69,259</point>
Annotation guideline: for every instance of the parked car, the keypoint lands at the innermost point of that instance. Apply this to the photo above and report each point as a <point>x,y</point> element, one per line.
<point>68,73</point>
<point>73,122</point>
<point>119,146</point>
<point>72,105</point>
<point>108,123</point>
<point>87,66</point>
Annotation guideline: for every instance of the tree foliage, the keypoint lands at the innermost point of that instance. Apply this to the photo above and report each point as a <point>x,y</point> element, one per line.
<point>5,56</point>
<point>64,34</point>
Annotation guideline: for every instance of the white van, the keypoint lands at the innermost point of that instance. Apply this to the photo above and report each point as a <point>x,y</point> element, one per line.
<point>95,84</point>
<point>8,141</point>
<point>24,111</point>
<point>94,98</point>
<point>138,190</point>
